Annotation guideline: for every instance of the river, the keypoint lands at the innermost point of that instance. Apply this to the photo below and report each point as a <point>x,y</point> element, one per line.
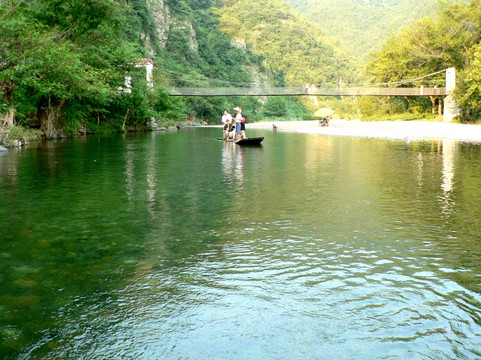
<point>174,245</point>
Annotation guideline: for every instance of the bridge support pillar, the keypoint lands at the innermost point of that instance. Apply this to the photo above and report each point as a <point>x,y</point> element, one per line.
<point>451,108</point>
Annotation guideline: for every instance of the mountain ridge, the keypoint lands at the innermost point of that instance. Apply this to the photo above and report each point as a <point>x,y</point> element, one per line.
<point>363,25</point>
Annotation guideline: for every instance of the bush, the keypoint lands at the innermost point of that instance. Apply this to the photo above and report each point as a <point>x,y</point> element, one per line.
<point>275,106</point>
<point>369,106</point>
<point>18,135</point>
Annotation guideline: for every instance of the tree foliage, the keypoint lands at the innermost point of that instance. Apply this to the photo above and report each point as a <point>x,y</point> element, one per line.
<point>429,45</point>
<point>64,53</point>
<point>449,39</point>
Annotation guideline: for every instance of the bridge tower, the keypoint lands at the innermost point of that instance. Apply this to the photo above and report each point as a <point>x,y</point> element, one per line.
<point>451,108</point>
<point>146,63</point>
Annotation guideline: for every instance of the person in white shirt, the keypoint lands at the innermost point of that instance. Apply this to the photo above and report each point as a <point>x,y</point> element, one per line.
<point>227,121</point>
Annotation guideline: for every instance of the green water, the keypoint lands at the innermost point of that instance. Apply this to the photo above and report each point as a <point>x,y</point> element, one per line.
<point>177,246</point>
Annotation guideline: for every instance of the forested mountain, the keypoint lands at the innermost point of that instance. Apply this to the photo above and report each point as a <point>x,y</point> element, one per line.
<point>295,51</point>
<point>361,26</point>
<point>289,43</point>
<point>189,49</point>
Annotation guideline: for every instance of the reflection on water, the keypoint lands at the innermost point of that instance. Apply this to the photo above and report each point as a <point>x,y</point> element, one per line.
<point>420,170</point>
<point>233,163</point>
<point>151,177</point>
<point>449,148</point>
<point>177,246</point>
<point>129,170</point>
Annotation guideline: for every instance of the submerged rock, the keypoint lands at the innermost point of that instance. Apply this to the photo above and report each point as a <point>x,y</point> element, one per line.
<point>3,148</point>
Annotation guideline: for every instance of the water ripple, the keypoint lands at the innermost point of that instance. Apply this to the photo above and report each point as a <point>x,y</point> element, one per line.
<point>358,251</point>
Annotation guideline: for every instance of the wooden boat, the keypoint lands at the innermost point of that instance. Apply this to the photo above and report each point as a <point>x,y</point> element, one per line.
<point>246,141</point>
<point>250,141</point>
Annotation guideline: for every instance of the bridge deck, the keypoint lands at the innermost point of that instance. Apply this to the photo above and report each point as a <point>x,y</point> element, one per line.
<point>299,91</point>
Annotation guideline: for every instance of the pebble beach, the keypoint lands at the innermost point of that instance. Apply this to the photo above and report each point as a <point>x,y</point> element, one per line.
<point>396,130</point>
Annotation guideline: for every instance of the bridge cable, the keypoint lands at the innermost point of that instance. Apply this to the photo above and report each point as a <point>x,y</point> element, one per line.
<point>233,83</point>
<point>412,80</point>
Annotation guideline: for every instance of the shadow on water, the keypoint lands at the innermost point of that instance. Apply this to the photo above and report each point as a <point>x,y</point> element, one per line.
<point>176,245</point>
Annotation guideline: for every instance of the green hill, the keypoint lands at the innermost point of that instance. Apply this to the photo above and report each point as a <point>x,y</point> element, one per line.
<point>290,44</point>
<point>363,25</point>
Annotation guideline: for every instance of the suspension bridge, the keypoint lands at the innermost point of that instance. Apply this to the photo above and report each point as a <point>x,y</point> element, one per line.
<point>399,88</point>
<point>300,91</point>
<point>442,95</point>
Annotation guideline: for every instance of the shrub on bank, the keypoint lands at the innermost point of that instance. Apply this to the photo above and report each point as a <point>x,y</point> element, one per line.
<point>18,136</point>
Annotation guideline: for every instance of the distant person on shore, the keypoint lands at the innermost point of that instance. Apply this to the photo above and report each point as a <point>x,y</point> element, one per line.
<point>226,120</point>
<point>324,121</point>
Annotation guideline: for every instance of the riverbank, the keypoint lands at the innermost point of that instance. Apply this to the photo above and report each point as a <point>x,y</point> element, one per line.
<point>18,136</point>
<point>396,130</point>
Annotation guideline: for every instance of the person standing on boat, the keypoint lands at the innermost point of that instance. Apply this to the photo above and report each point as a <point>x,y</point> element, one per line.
<point>243,125</point>
<point>238,122</point>
<point>226,120</point>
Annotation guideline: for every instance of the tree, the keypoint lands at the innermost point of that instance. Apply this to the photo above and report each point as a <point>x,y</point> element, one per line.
<point>20,40</point>
<point>431,45</point>
<point>468,94</point>
<point>62,51</point>
<point>90,50</point>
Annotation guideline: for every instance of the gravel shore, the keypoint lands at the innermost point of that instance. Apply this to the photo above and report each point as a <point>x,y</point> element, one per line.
<point>396,130</point>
